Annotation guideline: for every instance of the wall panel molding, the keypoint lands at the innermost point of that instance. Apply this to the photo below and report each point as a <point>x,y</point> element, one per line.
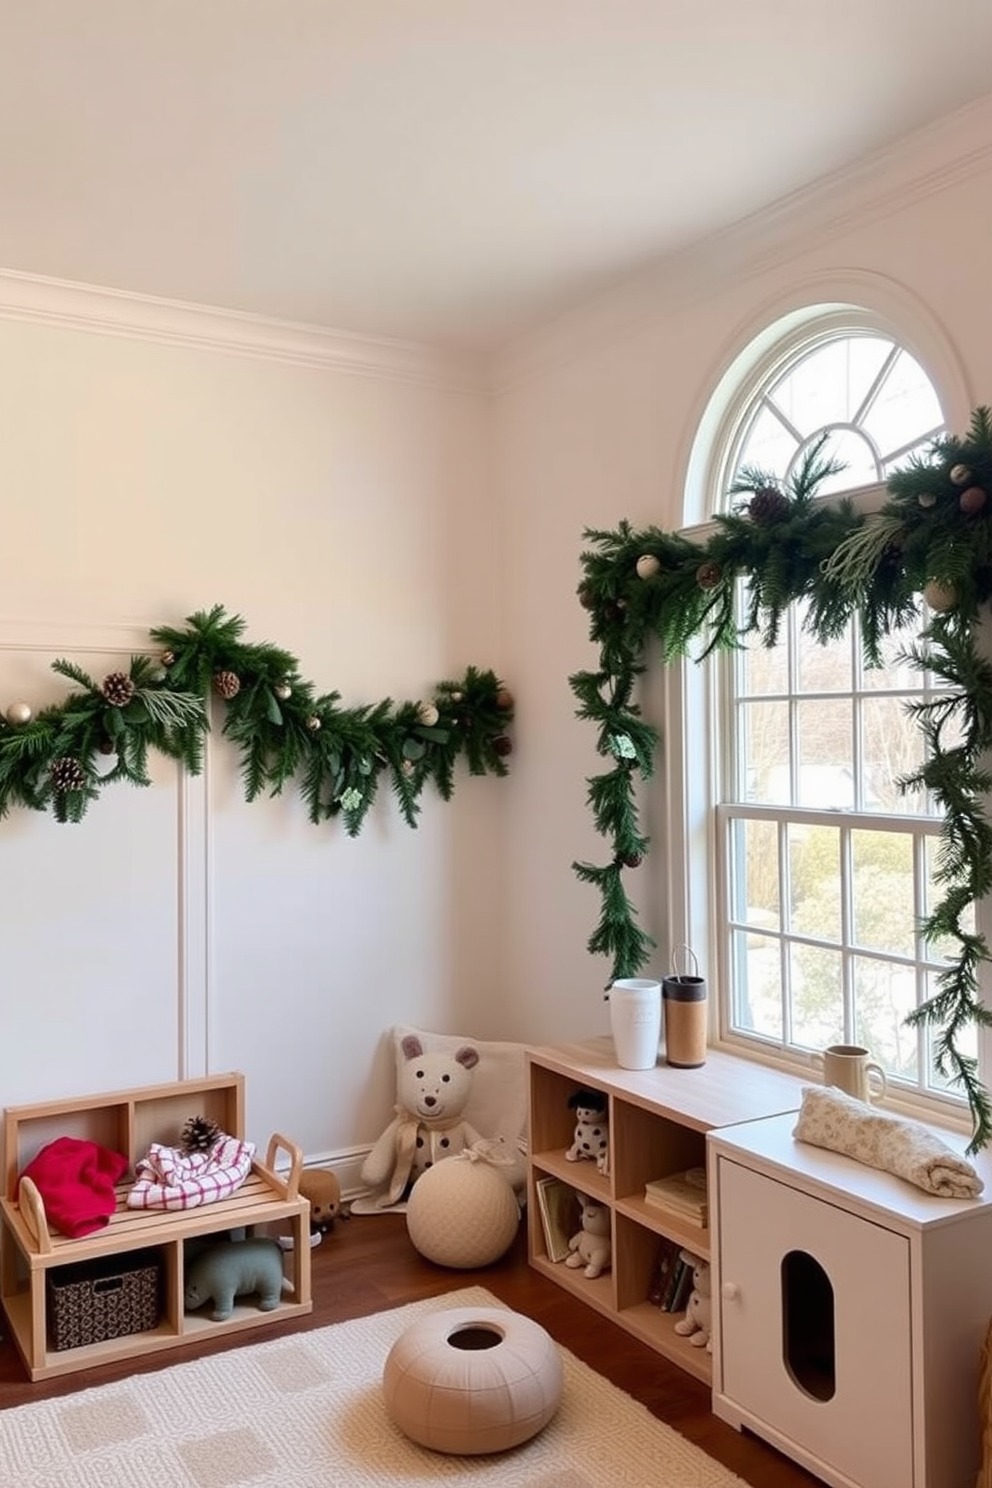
<point>78,640</point>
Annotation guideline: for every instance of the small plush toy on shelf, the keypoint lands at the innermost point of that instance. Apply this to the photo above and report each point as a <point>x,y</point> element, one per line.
<point>591,1139</point>
<point>697,1324</point>
<point>591,1247</point>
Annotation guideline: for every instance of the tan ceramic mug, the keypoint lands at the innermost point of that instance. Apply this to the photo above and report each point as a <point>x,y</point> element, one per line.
<point>850,1068</point>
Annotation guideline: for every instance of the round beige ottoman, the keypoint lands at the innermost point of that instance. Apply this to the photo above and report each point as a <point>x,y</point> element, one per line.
<point>462,1213</point>
<point>471,1380</point>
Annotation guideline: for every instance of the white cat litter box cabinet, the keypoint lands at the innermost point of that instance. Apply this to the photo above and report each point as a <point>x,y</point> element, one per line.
<point>850,1308</point>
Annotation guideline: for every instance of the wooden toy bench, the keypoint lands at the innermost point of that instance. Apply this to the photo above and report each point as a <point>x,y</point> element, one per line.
<point>33,1255</point>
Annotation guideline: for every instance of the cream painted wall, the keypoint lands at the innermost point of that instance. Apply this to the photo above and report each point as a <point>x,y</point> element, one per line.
<point>594,423</point>
<point>387,523</point>
<point>178,929</point>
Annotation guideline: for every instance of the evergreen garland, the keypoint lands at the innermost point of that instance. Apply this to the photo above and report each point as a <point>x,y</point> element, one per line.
<point>933,540</point>
<point>282,728</point>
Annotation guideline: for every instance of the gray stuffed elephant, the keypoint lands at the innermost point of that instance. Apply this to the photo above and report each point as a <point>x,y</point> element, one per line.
<point>232,1268</point>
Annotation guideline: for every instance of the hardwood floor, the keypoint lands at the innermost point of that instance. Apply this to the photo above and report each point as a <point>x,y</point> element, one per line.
<point>368,1264</point>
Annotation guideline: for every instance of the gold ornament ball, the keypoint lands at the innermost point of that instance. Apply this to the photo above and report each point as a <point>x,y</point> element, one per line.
<point>972,500</point>
<point>18,713</point>
<point>960,475</point>
<point>427,714</point>
<point>283,691</point>
<point>167,658</point>
<point>504,699</point>
<point>407,767</point>
<point>939,597</point>
<point>457,697</point>
<point>313,723</point>
<point>647,566</point>
<point>926,499</point>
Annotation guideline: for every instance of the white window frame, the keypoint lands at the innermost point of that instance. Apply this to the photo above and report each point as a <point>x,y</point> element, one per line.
<point>685,816</point>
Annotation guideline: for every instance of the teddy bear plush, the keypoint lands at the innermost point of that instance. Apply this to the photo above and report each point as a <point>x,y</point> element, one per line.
<point>697,1325</point>
<point>322,1188</point>
<point>591,1139</point>
<point>432,1090</point>
<point>591,1247</point>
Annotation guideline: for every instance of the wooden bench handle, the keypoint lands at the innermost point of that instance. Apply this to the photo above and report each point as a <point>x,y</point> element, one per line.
<point>33,1213</point>
<point>291,1183</point>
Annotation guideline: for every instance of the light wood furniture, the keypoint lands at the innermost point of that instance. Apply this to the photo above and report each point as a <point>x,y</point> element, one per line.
<point>658,1124</point>
<point>128,1121</point>
<point>852,1310</point>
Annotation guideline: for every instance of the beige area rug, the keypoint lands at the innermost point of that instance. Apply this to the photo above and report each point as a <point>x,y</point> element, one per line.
<point>307,1412</point>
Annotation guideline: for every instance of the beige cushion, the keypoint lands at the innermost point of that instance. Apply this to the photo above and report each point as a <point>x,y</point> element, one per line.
<point>472,1380</point>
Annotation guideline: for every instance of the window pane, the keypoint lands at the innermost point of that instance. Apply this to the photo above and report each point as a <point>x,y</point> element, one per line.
<point>893,747</point>
<point>825,770</point>
<point>829,384</point>
<point>824,668</point>
<point>882,891</point>
<point>764,669</point>
<point>817,997</point>
<point>884,993</point>
<point>905,408</point>
<point>755,897</point>
<point>941,950</point>
<point>756,997</point>
<point>768,443</point>
<point>814,881</point>
<point>966,1040</point>
<point>896,673</point>
<point>859,463</point>
<point>764,732</point>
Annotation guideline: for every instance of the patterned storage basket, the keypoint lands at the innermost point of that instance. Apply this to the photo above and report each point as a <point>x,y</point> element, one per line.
<point>104,1298</point>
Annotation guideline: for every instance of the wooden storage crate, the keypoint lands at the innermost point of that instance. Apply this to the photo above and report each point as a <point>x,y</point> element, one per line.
<point>129,1121</point>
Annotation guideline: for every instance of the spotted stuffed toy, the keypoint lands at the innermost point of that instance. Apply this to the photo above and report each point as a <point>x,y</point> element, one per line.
<point>591,1140</point>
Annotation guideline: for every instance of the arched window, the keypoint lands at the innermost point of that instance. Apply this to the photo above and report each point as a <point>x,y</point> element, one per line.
<point>820,868</point>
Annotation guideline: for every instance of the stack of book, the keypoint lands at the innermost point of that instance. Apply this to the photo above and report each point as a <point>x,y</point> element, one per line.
<point>682,1195</point>
<point>558,1205</point>
<point>671,1283</point>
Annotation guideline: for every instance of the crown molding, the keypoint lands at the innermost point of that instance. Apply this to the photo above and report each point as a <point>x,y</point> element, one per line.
<point>66,304</point>
<point>919,165</point>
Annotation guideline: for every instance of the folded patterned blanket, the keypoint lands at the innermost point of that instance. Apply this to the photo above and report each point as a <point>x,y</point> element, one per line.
<point>169,1178</point>
<point>830,1118</point>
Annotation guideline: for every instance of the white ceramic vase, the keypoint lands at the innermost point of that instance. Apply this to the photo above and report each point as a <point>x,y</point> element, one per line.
<point>635,1022</point>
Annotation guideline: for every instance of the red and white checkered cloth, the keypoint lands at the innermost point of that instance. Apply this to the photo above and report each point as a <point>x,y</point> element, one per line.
<point>168,1178</point>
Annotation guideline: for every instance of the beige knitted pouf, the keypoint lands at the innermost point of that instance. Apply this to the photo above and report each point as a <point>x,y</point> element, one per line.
<point>472,1380</point>
<point>462,1212</point>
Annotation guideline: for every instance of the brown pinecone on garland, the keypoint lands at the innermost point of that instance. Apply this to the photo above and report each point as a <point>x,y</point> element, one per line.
<point>503,745</point>
<point>227,685</point>
<point>767,506</point>
<point>118,689</point>
<point>200,1134</point>
<point>67,774</point>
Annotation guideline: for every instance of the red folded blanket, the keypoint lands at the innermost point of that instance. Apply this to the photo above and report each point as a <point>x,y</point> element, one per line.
<point>76,1182</point>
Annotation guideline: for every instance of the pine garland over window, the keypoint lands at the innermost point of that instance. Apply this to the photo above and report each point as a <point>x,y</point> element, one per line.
<point>931,540</point>
<point>282,728</point>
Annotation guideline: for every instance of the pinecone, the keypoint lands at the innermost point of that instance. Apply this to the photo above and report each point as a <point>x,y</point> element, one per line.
<point>67,774</point>
<point>227,685</point>
<point>503,745</point>
<point>504,699</point>
<point>118,689</point>
<point>708,575</point>
<point>768,505</point>
<point>199,1134</point>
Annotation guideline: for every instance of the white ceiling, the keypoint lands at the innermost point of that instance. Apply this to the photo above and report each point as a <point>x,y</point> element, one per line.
<point>453,171</point>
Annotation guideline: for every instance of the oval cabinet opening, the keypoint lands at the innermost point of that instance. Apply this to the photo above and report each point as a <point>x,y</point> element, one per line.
<point>808,1325</point>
